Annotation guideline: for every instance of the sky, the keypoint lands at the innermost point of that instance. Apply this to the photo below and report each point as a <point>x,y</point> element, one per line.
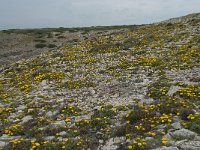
<point>82,13</point>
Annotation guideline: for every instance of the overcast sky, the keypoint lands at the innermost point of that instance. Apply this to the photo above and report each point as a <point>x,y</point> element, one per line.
<point>74,13</point>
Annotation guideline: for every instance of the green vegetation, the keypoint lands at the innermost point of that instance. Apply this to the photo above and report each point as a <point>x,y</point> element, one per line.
<point>40,41</point>
<point>40,45</point>
<point>51,46</point>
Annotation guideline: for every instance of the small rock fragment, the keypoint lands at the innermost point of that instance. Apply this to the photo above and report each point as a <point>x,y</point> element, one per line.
<point>173,89</point>
<point>26,119</point>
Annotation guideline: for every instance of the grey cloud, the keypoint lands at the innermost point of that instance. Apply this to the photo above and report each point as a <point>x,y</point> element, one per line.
<point>71,13</point>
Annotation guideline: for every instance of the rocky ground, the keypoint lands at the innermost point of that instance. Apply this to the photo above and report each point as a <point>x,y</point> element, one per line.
<point>21,44</point>
<point>134,88</point>
<point>16,44</point>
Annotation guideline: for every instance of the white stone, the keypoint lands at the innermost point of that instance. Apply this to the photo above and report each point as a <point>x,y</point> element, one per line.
<point>59,124</point>
<point>49,138</point>
<point>26,119</point>
<point>92,92</point>
<point>184,133</point>
<point>167,148</point>
<point>176,125</point>
<point>3,144</point>
<point>173,89</point>
<point>192,145</point>
<point>62,133</point>
<point>21,107</point>
<point>44,83</point>
<point>110,145</point>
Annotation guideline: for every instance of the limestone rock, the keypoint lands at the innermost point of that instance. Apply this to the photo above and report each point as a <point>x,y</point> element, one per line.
<point>62,133</point>
<point>50,113</point>
<point>172,90</point>
<point>110,145</point>
<point>176,125</point>
<point>3,144</point>
<point>183,133</point>
<point>5,137</point>
<point>167,148</point>
<point>49,138</point>
<point>26,119</point>
<point>192,145</point>
<point>58,124</point>
<point>44,83</point>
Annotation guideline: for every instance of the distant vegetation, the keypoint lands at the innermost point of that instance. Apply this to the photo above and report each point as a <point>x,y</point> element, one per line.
<point>47,31</point>
<point>51,46</point>
<point>40,45</point>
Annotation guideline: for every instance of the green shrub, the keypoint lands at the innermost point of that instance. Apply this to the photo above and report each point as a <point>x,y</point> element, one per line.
<point>41,41</point>
<point>51,46</point>
<point>136,115</point>
<point>104,47</point>
<point>40,45</point>
<point>58,34</point>
<point>61,37</point>
<point>185,113</point>
<point>194,125</point>
<point>49,35</point>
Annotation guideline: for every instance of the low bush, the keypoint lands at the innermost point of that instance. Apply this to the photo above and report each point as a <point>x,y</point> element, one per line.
<point>51,46</point>
<point>40,45</point>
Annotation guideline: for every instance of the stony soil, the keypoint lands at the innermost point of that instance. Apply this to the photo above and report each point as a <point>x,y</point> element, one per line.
<point>16,44</point>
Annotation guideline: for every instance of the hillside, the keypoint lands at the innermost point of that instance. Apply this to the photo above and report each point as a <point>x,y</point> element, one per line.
<point>129,87</point>
<point>17,44</point>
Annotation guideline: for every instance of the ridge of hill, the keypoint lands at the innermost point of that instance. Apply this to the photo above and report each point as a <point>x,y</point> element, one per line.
<point>135,87</point>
